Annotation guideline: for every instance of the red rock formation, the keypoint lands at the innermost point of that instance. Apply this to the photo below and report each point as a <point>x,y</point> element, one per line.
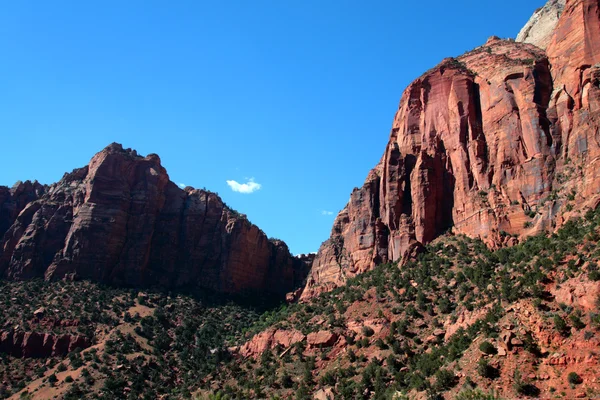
<point>577,293</point>
<point>40,345</point>
<point>321,339</point>
<point>120,220</point>
<point>13,200</point>
<point>492,144</point>
<point>269,339</point>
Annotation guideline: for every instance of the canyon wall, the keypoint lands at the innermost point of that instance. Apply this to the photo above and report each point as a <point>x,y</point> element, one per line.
<point>120,220</point>
<point>499,143</point>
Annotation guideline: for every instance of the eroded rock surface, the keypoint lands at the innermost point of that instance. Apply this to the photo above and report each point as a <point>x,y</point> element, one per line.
<point>40,345</point>
<point>120,220</point>
<point>500,143</point>
<point>540,27</point>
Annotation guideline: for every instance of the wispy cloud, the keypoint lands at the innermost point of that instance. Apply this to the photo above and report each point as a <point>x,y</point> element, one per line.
<point>325,212</point>
<point>246,188</point>
<point>181,185</point>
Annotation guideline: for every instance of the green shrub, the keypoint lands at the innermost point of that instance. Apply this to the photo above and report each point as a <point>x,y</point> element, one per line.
<point>488,348</point>
<point>287,381</point>
<point>576,321</point>
<point>561,325</point>
<point>524,388</point>
<point>368,331</point>
<point>574,379</point>
<point>381,344</point>
<point>444,379</point>
<point>485,370</point>
<point>445,306</point>
<point>594,275</point>
<point>328,379</point>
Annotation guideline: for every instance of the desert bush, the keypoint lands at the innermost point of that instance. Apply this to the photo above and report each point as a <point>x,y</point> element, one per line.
<point>487,348</point>
<point>574,379</point>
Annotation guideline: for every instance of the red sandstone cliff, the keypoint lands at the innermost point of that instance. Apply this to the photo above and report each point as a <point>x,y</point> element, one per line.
<point>40,345</point>
<point>121,220</point>
<point>499,143</point>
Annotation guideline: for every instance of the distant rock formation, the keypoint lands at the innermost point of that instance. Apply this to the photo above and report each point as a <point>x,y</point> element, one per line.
<point>40,345</point>
<point>120,220</point>
<point>499,143</point>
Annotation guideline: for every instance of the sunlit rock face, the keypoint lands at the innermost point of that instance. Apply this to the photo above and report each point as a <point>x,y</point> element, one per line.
<point>500,143</point>
<point>540,27</point>
<point>120,220</point>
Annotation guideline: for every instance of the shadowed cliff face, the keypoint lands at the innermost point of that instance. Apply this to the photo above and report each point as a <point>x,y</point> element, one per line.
<point>120,220</point>
<point>501,143</point>
<point>14,200</point>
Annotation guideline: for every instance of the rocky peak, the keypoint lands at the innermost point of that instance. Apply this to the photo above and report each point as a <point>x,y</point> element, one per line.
<point>540,27</point>
<point>120,220</point>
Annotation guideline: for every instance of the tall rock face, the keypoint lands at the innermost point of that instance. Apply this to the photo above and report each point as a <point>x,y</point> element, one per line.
<point>120,220</point>
<point>499,143</point>
<point>540,27</point>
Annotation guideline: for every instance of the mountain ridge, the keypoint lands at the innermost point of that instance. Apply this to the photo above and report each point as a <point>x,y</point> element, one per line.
<point>120,220</point>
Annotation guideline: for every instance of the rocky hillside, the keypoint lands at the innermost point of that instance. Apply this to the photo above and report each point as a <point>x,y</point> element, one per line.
<point>458,322</point>
<point>500,143</point>
<point>466,267</point>
<point>120,220</point>
<point>76,340</point>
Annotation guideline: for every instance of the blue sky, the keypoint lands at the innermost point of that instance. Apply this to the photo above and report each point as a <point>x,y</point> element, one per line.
<point>294,98</point>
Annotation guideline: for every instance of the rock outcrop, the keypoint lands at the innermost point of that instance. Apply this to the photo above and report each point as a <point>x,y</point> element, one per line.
<point>500,143</point>
<point>270,339</point>
<point>40,345</point>
<point>120,220</point>
<point>540,27</point>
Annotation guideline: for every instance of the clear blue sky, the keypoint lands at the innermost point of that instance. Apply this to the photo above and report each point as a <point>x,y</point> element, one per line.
<point>297,94</point>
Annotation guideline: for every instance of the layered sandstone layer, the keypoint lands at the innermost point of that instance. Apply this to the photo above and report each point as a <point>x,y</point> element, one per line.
<point>120,220</point>
<point>500,143</point>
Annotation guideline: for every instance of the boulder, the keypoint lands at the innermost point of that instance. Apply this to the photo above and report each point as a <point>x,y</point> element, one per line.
<point>324,394</point>
<point>321,339</point>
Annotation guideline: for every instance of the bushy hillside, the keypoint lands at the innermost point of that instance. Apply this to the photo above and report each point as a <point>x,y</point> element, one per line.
<point>141,344</point>
<point>517,321</point>
<point>459,321</point>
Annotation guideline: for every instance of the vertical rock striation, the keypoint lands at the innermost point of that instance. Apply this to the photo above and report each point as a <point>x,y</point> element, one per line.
<point>120,220</point>
<point>499,143</point>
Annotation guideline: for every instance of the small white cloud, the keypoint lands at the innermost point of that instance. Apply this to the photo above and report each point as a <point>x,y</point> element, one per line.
<point>181,185</point>
<point>324,212</point>
<point>246,188</point>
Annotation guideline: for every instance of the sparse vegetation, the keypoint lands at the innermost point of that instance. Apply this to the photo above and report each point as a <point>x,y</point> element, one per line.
<point>392,320</point>
<point>487,348</point>
<point>574,379</point>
